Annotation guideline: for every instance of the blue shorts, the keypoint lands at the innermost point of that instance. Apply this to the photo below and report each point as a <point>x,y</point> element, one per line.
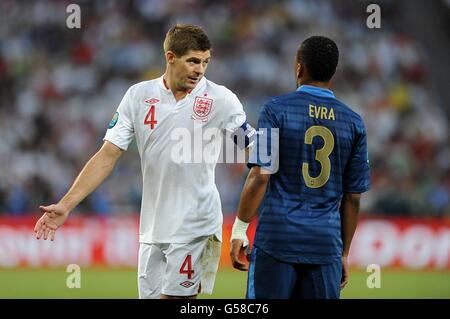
<point>270,278</point>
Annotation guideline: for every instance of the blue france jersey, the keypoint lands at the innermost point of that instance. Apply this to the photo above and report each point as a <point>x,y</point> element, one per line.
<point>321,154</point>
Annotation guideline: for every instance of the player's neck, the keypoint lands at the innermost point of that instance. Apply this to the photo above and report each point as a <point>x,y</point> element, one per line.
<point>178,92</point>
<point>322,85</point>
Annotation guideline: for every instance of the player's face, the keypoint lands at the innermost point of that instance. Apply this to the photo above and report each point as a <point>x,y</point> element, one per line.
<point>189,69</point>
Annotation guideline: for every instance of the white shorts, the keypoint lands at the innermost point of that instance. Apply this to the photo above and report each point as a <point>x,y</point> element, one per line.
<point>178,269</point>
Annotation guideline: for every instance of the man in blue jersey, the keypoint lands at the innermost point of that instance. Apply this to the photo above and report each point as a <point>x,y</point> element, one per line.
<point>310,189</point>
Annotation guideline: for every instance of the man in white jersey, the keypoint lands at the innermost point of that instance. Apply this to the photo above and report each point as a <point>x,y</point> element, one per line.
<point>181,218</point>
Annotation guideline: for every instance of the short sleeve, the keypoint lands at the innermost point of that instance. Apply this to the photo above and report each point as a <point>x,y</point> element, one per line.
<point>120,130</point>
<point>235,115</point>
<point>265,153</point>
<point>357,170</point>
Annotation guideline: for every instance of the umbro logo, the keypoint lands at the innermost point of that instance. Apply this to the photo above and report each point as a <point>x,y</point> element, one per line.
<point>187,284</point>
<point>151,101</point>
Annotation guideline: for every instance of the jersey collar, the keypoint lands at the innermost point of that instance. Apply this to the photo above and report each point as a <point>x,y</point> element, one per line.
<point>314,90</point>
<point>164,87</point>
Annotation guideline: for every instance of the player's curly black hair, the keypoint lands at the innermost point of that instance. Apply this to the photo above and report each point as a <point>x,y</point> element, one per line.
<point>320,56</point>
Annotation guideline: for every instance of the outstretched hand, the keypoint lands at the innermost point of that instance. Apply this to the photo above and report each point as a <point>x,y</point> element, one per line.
<point>237,248</point>
<point>54,216</point>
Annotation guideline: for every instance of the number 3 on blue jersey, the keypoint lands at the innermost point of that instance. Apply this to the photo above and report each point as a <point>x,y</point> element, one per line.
<point>322,156</point>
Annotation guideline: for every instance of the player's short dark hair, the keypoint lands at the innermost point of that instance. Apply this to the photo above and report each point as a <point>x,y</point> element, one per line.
<point>184,37</point>
<point>320,56</point>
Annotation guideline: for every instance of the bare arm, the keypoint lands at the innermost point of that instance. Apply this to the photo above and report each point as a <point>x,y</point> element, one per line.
<point>349,219</point>
<point>96,170</point>
<point>91,176</point>
<point>251,197</point>
<point>252,194</point>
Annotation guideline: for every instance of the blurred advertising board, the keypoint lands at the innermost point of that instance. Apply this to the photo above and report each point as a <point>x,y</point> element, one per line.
<point>113,242</point>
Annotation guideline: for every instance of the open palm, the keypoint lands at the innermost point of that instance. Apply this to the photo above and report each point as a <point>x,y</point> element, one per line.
<point>54,216</point>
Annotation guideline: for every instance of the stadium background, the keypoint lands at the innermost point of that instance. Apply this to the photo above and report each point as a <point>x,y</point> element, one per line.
<point>59,88</point>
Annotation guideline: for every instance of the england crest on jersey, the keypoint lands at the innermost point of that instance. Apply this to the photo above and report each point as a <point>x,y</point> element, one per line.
<point>202,107</point>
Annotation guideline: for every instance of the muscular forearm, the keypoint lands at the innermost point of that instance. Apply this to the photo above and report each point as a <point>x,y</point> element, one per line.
<point>349,219</point>
<point>252,194</point>
<point>91,176</point>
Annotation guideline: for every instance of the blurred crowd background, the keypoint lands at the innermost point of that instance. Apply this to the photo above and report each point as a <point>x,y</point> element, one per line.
<point>59,88</point>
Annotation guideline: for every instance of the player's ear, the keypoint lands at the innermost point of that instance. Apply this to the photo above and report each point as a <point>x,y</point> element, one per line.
<point>170,57</point>
<point>299,70</point>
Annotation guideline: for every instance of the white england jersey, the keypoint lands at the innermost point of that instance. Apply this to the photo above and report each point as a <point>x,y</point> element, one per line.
<point>180,200</point>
